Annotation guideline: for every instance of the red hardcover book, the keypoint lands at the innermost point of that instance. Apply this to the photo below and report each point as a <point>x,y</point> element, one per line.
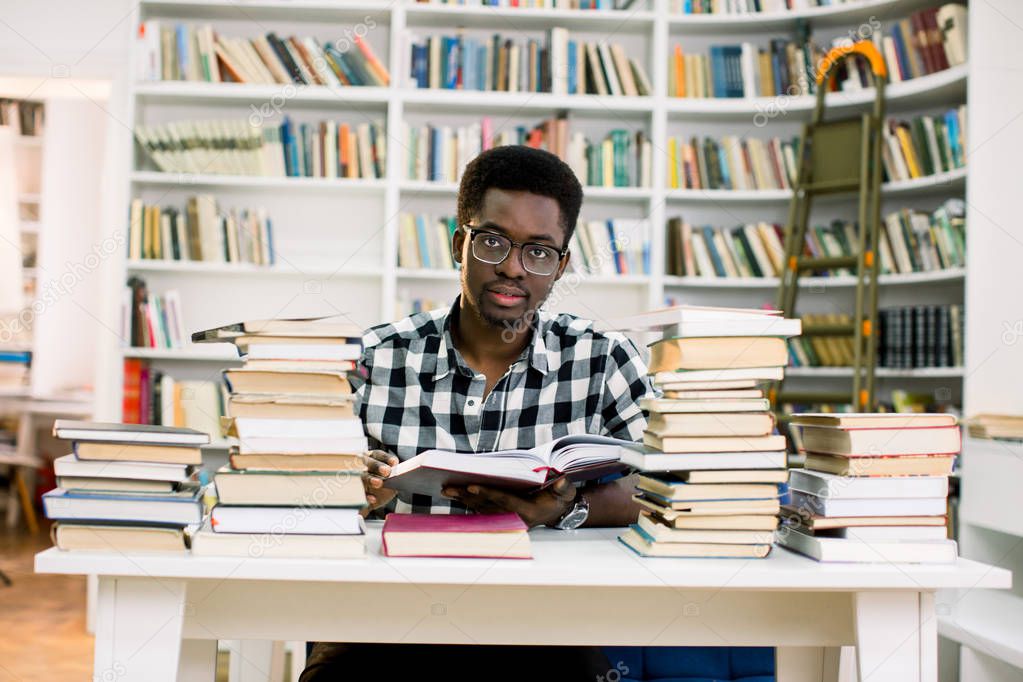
<point>131,410</point>
<point>495,536</point>
<point>936,39</point>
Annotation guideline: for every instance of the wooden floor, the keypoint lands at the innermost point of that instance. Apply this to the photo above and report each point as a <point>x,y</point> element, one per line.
<point>42,618</point>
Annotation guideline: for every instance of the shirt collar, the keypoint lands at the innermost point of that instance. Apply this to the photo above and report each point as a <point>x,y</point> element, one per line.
<point>448,356</point>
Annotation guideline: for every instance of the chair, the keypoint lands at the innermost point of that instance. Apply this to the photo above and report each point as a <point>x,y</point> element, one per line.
<point>690,664</point>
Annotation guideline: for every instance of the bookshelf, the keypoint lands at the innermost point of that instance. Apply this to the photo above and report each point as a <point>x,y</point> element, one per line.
<point>355,222</point>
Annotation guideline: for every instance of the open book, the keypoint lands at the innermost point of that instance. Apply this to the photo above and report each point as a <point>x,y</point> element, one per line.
<point>580,457</point>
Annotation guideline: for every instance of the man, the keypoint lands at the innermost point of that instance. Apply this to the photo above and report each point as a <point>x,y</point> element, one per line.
<point>491,373</point>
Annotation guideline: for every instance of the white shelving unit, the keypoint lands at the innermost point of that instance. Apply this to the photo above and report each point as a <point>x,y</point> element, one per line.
<point>337,239</point>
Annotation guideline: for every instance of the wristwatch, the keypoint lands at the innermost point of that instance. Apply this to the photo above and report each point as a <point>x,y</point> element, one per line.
<point>576,516</point>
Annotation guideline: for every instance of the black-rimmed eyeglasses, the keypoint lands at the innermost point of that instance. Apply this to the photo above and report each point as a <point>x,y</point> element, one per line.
<point>493,248</point>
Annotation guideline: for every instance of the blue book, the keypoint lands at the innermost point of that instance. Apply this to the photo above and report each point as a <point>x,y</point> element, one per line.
<point>435,153</point>
<point>615,253</point>
<point>290,151</point>
<point>900,51</point>
<point>19,357</point>
<point>732,57</point>
<point>306,149</point>
<point>424,244</point>
<point>181,32</point>
<point>468,64</point>
<point>481,60</point>
<point>726,177</point>
<point>449,65</point>
<point>420,65</point>
<point>719,81</point>
<point>270,241</point>
<point>719,265</point>
<point>170,509</point>
<point>573,55</point>
<point>952,131</point>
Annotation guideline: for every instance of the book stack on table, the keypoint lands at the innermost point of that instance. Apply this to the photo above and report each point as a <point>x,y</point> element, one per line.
<point>709,482</point>
<point>125,487</point>
<point>874,488</point>
<point>293,487</point>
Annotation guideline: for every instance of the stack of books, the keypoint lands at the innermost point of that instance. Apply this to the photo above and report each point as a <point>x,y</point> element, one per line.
<point>293,487</point>
<point>125,487</point>
<point>197,53</point>
<point>709,480</point>
<point>200,232</point>
<point>874,488</point>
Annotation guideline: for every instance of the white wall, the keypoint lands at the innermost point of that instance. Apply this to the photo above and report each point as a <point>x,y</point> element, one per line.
<point>63,38</point>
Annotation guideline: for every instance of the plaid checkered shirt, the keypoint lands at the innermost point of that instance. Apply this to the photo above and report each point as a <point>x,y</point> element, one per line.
<point>417,393</point>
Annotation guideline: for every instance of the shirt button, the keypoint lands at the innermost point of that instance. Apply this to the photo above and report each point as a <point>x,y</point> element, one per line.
<point>471,402</point>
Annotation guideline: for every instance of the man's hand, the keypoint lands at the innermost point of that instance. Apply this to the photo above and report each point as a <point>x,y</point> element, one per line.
<point>545,507</point>
<point>378,467</point>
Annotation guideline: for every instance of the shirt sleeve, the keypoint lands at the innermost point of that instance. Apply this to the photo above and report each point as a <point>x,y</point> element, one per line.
<point>626,383</point>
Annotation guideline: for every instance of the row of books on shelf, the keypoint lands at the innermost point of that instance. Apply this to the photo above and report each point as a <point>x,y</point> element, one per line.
<point>740,7</point>
<point>14,368</point>
<point>914,47</point>
<point>329,149</point>
<point>151,396</point>
<point>609,247</point>
<point>183,52</point>
<point>201,231</point>
<point>910,241</point>
<point>508,63</point>
<point>440,153</point>
<point>25,117</point>
<point>924,146</point>
<point>151,320</point>
<point>537,4</point>
<point>907,337</point>
<point>408,303</point>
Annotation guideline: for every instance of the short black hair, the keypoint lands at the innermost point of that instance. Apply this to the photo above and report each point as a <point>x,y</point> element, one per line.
<point>521,168</point>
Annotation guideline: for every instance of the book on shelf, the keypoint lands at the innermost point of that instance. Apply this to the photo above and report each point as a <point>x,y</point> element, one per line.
<point>152,320</point>
<point>425,242</point>
<point>618,246</point>
<point>328,149</point>
<point>167,51</point>
<point>908,337</point>
<point>924,146</point>
<point>14,368</point>
<point>24,117</point>
<point>623,158</point>
<point>490,536</point>
<point>731,163</point>
<point>151,396</point>
<point>201,231</point>
<point>743,7</point>
<point>577,457</point>
<point>509,63</point>
<point>872,513</point>
<point>911,47</point>
<point>537,4</point>
<point>995,426</point>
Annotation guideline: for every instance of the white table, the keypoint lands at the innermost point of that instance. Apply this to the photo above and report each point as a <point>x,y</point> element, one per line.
<point>159,617</point>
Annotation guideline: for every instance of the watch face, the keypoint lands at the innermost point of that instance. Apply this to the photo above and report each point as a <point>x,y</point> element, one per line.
<point>574,519</point>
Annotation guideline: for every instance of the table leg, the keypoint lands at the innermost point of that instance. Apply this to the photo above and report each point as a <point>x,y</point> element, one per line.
<point>896,637</point>
<point>138,629</point>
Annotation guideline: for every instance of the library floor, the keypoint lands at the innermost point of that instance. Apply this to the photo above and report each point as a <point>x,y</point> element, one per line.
<point>42,618</point>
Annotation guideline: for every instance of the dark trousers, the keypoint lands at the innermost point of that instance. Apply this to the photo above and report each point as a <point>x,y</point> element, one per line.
<point>333,662</point>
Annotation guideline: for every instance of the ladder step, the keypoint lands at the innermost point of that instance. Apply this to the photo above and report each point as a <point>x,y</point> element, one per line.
<point>825,263</point>
<point>827,397</point>
<point>849,185</point>
<point>830,329</point>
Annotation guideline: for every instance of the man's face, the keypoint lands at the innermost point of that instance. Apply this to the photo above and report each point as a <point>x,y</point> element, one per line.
<point>505,293</point>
